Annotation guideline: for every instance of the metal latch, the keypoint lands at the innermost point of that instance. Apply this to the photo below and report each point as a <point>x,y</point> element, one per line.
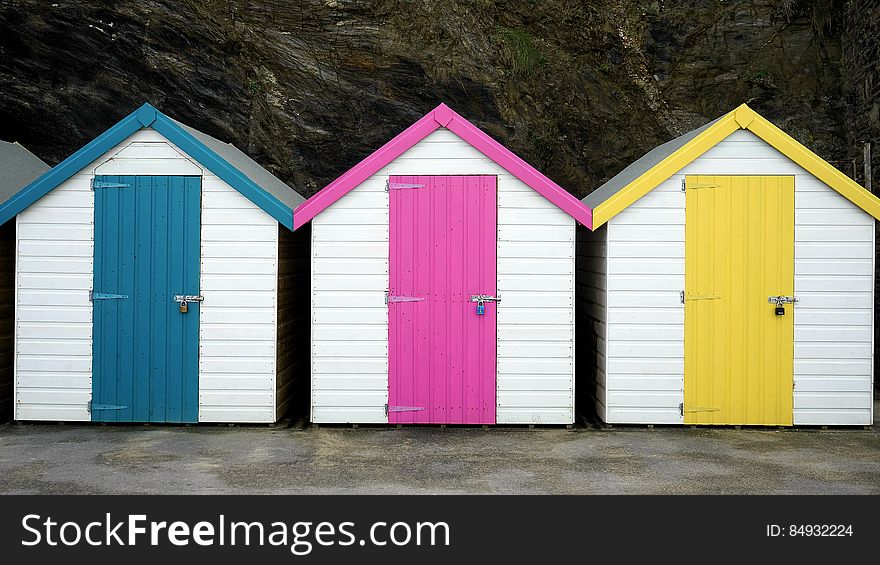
<point>780,301</point>
<point>105,296</point>
<point>402,409</point>
<point>481,300</point>
<point>684,297</point>
<point>185,299</point>
<point>390,299</point>
<point>103,184</point>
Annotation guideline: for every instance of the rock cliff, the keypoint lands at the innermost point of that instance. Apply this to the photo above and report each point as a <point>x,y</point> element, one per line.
<point>309,87</point>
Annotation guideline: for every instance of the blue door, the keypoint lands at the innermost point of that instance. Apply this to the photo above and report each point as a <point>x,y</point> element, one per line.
<point>145,349</point>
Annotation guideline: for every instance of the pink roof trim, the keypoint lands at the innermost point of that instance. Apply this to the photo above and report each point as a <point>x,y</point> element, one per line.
<point>442,116</point>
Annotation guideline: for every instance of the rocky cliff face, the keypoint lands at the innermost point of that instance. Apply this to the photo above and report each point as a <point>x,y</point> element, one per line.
<point>861,86</point>
<point>309,87</point>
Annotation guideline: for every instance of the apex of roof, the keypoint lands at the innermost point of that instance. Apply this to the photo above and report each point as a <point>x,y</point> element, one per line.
<point>446,117</point>
<point>646,173</point>
<point>223,159</point>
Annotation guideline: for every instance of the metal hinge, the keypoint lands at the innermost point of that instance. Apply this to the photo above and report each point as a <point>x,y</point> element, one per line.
<point>105,296</point>
<point>389,299</point>
<point>684,186</point>
<point>699,409</point>
<point>681,409</point>
<point>102,184</point>
<point>684,297</point>
<point>402,409</point>
<point>90,406</point>
<point>401,185</point>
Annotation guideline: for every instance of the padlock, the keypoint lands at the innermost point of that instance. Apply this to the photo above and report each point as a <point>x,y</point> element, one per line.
<point>481,308</point>
<point>183,307</point>
<point>780,310</point>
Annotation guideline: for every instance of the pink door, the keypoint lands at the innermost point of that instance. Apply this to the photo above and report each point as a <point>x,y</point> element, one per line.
<point>441,351</point>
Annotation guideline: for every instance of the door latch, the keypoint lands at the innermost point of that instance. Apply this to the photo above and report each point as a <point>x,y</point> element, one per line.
<point>185,299</point>
<point>780,302</point>
<point>481,300</point>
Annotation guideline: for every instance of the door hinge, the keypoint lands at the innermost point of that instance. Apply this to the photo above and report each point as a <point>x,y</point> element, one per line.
<point>91,406</point>
<point>700,409</point>
<point>685,186</point>
<point>683,297</point>
<point>103,184</point>
<point>390,299</point>
<point>402,409</point>
<point>401,185</point>
<point>105,296</point>
<point>681,409</point>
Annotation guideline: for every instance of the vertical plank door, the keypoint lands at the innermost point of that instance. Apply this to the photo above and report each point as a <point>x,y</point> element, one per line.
<point>442,352</point>
<point>739,251</point>
<point>147,247</point>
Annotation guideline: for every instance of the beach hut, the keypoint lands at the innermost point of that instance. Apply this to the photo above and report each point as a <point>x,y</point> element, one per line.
<point>729,280</point>
<point>18,167</point>
<point>152,269</point>
<point>442,276</point>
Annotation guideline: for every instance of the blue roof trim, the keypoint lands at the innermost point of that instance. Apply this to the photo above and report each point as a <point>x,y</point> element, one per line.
<point>69,167</point>
<point>143,117</point>
<point>220,167</point>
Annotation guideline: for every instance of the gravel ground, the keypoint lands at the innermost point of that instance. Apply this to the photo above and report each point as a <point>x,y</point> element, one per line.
<point>51,458</point>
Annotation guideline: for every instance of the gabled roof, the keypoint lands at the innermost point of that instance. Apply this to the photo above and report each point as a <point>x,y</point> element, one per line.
<point>662,162</point>
<point>18,168</point>
<point>223,159</point>
<point>445,117</point>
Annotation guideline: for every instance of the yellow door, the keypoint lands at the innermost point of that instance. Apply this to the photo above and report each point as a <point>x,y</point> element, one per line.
<point>739,251</point>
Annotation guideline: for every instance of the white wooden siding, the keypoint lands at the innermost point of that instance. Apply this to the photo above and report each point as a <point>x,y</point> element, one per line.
<point>53,315</point>
<point>834,266</point>
<point>55,250</point>
<point>645,344</point>
<point>536,246</point>
<point>350,276</point>
<point>237,330</point>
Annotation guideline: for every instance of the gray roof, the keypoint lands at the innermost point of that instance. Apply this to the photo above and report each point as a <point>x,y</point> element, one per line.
<point>18,168</point>
<point>250,168</point>
<point>641,166</point>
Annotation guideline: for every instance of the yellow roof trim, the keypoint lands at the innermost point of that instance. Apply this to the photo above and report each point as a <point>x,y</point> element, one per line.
<point>816,166</point>
<point>664,169</point>
<point>741,118</point>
